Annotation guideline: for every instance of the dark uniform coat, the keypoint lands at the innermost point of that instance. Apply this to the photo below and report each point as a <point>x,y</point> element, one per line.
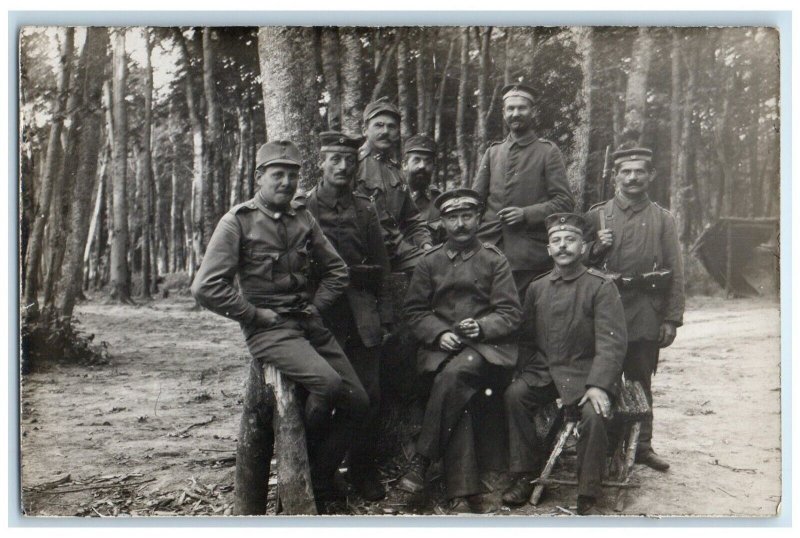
<point>351,225</point>
<point>428,212</point>
<point>449,286</point>
<point>270,252</point>
<point>526,172</point>
<point>573,334</point>
<point>645,238</point>
<point>380,179</point>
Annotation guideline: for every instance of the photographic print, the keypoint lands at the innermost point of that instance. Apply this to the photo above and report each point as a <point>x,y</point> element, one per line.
<point>399,270</point>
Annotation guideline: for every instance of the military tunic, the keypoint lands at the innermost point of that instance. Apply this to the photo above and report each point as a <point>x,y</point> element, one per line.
<point>526,172</point>
<point>351,225</point>
<point>270,252</point>
<point>645,238</point>
<point>380,178</point>
<point>430,215</point>
<point>574,339</point>
<point>447,287</point>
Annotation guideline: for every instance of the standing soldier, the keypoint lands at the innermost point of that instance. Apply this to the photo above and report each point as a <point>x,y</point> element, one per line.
<point>271,248</point>
<point>572,347</point>
<point>636,240</point>
<point>362,316</point>
<point>521,180</point>
<point>463,308</point>
<point>418,163</point>
<point>380,178</point>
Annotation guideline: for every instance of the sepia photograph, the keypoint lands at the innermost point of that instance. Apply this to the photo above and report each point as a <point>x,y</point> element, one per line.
<point>526,271</point>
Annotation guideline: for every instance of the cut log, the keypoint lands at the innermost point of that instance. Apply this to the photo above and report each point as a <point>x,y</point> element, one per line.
<point>294,476</point>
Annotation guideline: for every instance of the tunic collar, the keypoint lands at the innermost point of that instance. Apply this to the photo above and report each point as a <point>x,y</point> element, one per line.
<point>332,201</point>
<point>625,204</point>
<point>466,253</point>
<point>555,274</point>
<point>272,211</point>
<point>524,140</point>
<point>366,150</point>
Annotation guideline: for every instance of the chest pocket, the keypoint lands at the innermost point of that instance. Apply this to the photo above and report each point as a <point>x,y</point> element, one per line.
<point>261,262</point>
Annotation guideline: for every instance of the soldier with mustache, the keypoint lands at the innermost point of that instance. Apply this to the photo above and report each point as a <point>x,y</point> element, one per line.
<point>380,178</point>
<point>635,239</point>
<point>521,180</point>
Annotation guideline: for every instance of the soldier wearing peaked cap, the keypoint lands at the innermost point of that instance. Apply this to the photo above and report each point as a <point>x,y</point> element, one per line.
<point>419,159</point>
<point>521,180</point>
<point>634,239</point>
<point>270,248</point>
<point>362,316</point>
<point>380,178</point>
<point>572,346</point>
<point>463,307</point>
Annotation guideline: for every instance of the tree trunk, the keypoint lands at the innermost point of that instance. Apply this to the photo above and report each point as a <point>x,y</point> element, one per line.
<point>237,177</point>
<point>146,163</point>
<point>484,36</point>
<point>383,71</point>
<point>198,174</point>
<point>424,70</point>
<point>91,73</point>
<point>579,162</point>
<point>214,201</point>
<point>93,242</point>
<point>120,272</point>
<point>403,100</point>
<point>636,94</point>
<point>331,54</point>
<point>461,135</point>
<point>352,81</point>
<point>437,124</point>
<point>49,171</point>
<point>290,96</point>
<point>675,117</point>
<point>678,200</point>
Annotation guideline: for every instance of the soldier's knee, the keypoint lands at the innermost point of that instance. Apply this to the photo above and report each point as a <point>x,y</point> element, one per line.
<point>330,384</point>
<point>515,393</point>
<point>591,419</point>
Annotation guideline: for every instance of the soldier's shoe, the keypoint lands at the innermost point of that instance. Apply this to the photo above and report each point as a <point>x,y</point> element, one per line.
<point>471,504</point>
<point>414,479</point>
<point>519,492</point>
<point>652,460</point>
<point>586,505</point>
<point>367,483</point>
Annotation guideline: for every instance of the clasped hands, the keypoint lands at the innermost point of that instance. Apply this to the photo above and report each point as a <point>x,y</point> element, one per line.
<point>450,341</point>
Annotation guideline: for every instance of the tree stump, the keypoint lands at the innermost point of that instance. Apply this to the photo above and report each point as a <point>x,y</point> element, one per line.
<point>295,493</point>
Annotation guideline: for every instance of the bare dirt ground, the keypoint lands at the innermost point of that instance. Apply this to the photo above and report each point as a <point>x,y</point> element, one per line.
<point>153,432</point>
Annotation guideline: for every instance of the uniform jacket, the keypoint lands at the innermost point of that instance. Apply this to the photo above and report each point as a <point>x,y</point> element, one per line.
<point>380,179</point>
<point>526,172</point>
<point>271,254</point>
<point>351,225</point>
<point>644,237</point>
<point>449,286</point>
<point>428,212</point>
<point>573,334</point>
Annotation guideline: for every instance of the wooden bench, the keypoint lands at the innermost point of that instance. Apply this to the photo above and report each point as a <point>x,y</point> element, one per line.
<point>630,408</point>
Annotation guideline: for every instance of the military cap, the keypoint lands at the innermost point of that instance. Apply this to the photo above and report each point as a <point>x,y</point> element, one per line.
<point>632,154</point>
<point>278,152</point>
<point>517,90</point>
<point>457,199</point>
<point>421,143</point>
<point>381,106</point>
<point>336,141</point>
<point>558,222</point>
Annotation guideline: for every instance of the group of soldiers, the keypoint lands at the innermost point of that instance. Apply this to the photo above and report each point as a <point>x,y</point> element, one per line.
<point>509,291</point>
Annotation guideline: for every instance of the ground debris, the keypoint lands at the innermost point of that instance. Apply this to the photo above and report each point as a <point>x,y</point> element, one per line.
<point>183,432</point>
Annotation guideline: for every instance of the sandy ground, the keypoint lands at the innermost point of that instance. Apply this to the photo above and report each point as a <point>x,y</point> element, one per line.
<point>153,432</point>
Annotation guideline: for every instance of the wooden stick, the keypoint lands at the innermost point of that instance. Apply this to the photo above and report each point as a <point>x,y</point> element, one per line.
<point>605,483</point>
<point>551,461</point>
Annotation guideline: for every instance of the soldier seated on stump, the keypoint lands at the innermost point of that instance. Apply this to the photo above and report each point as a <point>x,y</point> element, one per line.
<point>270,248</point>
<point>464,309</point>
<point>572,346</point>
<point>361,317</point>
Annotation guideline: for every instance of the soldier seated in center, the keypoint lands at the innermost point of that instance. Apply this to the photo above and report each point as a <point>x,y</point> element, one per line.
<point>464,309</point>
<point>572,346</point>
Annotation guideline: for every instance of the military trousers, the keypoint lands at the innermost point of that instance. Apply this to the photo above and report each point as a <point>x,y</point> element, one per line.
<point>527,453</point>
<point>306,352</point>
<point>641,361</point>
<point>447,426</point>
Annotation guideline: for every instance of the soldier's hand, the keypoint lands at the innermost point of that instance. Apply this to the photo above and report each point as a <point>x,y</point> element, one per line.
<point>511,215</point>
<point>266,317</point>
<point>312,310</point>
<point>449,341</point>
<point>666,334</point>
<point>599,400</point>
<point>427,246</point>
<point>469,328</point>
<point>605,239</point>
